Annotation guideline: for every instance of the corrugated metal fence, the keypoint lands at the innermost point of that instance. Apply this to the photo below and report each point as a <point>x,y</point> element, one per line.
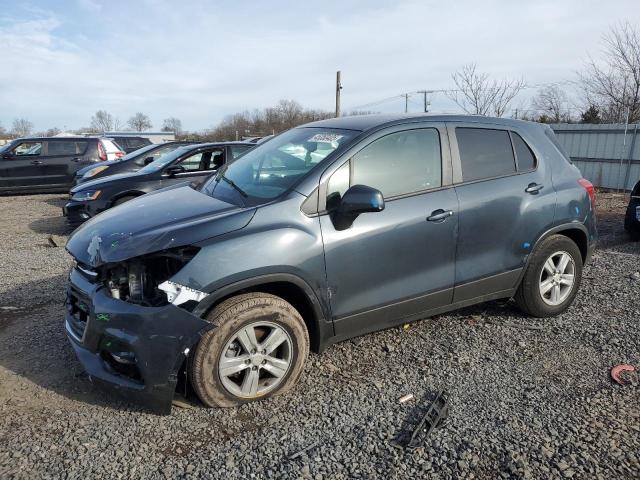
<point>604,154</point>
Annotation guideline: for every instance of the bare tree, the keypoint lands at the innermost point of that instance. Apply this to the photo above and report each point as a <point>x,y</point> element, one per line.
<point>52,132</point>
<point>286,114</point>
<point>21,127</point>
<point>139,122</point>
<point>613,86</point>
<point>102,121</point>
<point>476,93</point>
<point>172,124</point>
<point>552,104</point>
<point>2,130</point>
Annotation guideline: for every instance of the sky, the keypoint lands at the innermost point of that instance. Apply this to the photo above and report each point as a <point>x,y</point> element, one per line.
<point>199,61</point>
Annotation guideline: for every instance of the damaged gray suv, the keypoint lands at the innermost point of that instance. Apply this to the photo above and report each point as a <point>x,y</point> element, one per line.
<point>327,231</point>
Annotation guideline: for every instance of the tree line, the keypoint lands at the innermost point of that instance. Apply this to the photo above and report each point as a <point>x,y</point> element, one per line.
<point>607,91</point>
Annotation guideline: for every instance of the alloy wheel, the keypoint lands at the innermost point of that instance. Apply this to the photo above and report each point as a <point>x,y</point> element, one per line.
<point>557,278</point>
<point>255,360</point>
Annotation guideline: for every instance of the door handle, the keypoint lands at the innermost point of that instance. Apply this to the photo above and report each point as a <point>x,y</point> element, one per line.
<point>533,188</point>
<point>77,159</point>
<point>439,215</point>
<point>36,162</point>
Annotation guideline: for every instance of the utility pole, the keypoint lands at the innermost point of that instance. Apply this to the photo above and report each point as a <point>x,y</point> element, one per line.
<point>406,102</point>
<point>338,88</point>
<point>426,104</point>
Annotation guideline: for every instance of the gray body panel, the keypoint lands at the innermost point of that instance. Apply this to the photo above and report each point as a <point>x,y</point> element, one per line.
<point>386,267</point>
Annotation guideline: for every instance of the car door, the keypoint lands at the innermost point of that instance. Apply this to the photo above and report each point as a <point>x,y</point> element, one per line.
<point>392,265</point>
<point>20,167</point>
<point>195,166</point>
<point>506,202</point>
<point>61,160</point>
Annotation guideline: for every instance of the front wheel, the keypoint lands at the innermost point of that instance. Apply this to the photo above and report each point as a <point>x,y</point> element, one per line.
<point>552,278</point>
<point>257,349</point>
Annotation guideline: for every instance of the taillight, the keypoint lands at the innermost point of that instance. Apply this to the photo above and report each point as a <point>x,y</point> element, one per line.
<point>588,186</point>
<point>119,154</point>
<point>102,153</point>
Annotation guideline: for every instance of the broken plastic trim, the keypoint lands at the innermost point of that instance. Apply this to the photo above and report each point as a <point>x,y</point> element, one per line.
<point>178,294</point>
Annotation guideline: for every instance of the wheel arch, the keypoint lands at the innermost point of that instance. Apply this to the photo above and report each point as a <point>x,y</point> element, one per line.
<point>290,288</point>
<point>129,193</point>
<point>577,232</point>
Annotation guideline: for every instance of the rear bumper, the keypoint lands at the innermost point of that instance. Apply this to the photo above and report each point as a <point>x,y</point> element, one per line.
<point>132,349</point>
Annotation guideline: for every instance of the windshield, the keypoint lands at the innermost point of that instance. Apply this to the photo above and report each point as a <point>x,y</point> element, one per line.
<point>138,152</point>
<point>164,160</point>
<point>7,147</point>
<point>271,168</point>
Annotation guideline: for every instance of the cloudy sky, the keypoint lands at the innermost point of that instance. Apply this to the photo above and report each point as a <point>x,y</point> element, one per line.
<point>60,61</point>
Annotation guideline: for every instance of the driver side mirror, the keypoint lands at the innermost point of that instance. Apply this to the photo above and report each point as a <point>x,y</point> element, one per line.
<point>358,199</point>
<point>361,199</point>
<point>148,160</point>
<point>173,170</point>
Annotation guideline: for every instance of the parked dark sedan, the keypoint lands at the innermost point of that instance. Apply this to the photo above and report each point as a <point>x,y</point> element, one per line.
<point>48,164</point>
<point>632,217</point>
<point>190,163</point>
<point>132,162</point>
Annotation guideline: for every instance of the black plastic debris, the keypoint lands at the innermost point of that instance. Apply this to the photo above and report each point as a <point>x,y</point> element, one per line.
<point>434,414</point>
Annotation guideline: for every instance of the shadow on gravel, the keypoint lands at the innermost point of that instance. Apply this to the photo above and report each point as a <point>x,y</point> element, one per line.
<point>51,225</point>
<point>33,345</point>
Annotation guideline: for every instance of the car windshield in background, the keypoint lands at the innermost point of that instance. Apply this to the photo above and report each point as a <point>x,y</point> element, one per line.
<point>270,169</point>
<point>138,152</point>
<point>6,147</point>
<point>164,160</point>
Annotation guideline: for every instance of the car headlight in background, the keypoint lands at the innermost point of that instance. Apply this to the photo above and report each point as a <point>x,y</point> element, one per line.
<point>86,195</point>
<point>95,171</point>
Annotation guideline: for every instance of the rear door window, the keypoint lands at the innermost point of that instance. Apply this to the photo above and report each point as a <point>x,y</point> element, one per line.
<point>400,163</point>
<point>237,150</point>
<point>485,153</point>
<point>204,160</point>
<point>66,147</point>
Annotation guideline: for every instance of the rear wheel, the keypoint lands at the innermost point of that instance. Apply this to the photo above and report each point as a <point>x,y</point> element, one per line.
<point>552,278</point>
<point>257,350</point>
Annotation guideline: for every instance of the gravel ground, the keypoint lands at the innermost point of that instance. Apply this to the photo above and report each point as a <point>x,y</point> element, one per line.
<point>528,398</point>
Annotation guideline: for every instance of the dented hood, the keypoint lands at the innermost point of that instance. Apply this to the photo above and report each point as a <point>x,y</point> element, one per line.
<point>163,219</point>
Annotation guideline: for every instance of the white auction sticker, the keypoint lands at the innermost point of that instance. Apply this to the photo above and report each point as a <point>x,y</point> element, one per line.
<point>325,137</point>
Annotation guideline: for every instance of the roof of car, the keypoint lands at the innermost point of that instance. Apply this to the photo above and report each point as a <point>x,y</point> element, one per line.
<point>62,139</point>
<point>368,122</point>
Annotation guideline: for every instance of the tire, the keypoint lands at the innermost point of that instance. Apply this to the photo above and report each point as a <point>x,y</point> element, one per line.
<point>265,315</point>
<point>631,224</point>
<point>122,200</point>
<point>529,296</point>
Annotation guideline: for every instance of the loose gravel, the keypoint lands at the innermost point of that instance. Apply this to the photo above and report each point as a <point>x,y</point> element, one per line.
<point>529,398</point>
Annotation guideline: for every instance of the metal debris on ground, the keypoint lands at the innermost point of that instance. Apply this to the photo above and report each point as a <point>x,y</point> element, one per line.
<point>181,403</point>
<point>618,369</point>
<point>406,398</point>
<point>57,241</point>
<point>435,414</point>
<point>304,450</point>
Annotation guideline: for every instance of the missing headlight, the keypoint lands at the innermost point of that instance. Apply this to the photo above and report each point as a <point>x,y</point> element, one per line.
<point>137,280</point>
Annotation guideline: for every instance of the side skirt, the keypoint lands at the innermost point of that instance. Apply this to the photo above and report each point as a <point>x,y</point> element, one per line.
<point>499,286</point>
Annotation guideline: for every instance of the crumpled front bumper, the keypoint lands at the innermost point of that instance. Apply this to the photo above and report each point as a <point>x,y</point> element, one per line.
<point>134,349</point>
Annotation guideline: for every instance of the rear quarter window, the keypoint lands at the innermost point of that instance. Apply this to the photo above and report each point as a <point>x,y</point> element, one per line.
<point>524,156</point>
<point>485,153</point>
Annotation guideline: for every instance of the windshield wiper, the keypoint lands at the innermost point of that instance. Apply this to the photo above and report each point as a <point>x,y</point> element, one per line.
<point>233,185</point>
